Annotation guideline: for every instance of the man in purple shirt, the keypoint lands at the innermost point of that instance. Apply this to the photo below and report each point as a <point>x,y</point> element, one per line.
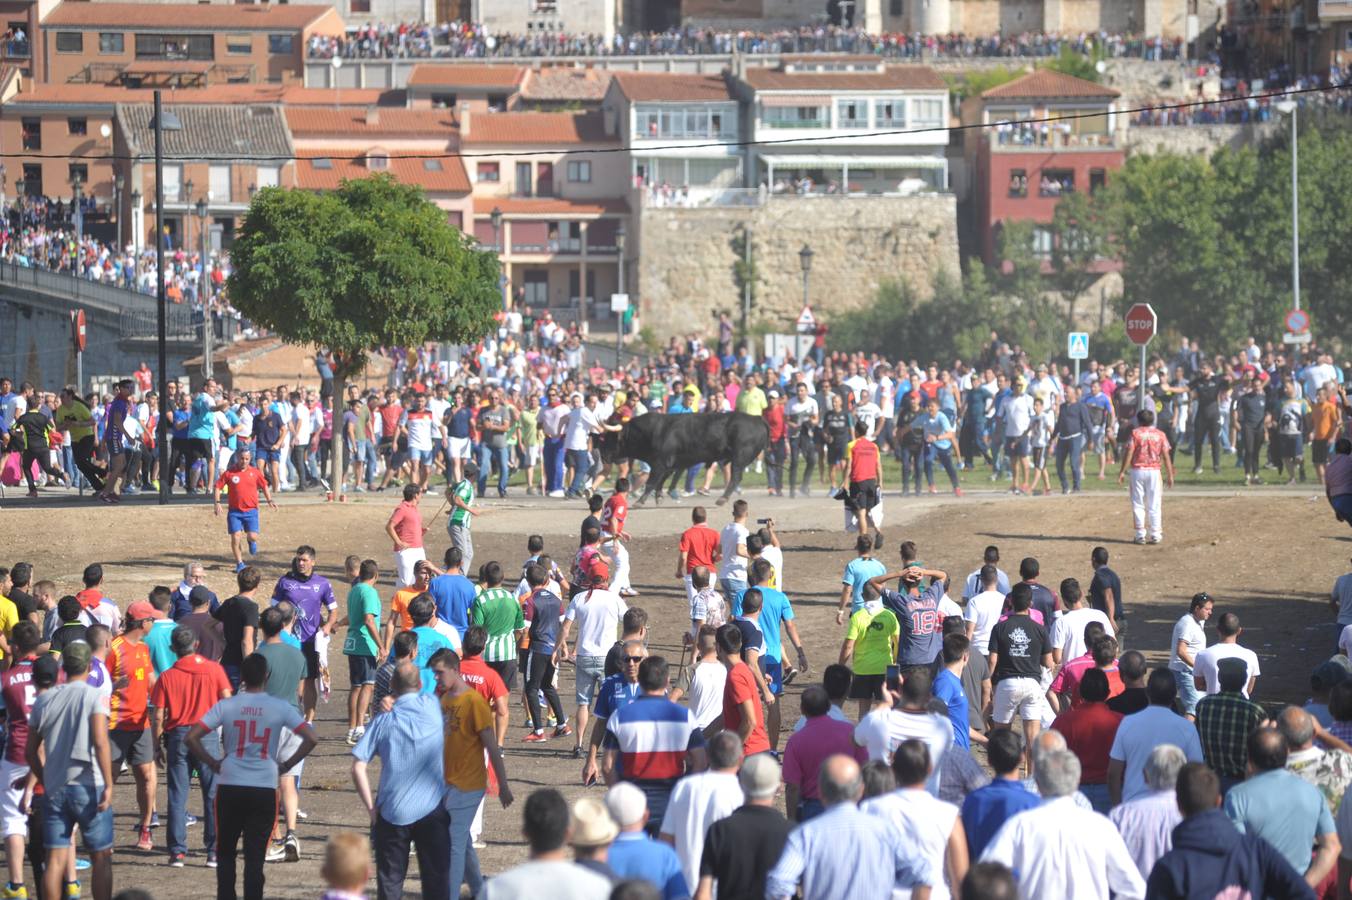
<point>310,594</point>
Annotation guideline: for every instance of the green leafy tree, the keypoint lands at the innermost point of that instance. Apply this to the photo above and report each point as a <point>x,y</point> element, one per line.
<point>371,264</point>
<point>1079,239</point>
<point>976,82</point>
<point>1076,64</point>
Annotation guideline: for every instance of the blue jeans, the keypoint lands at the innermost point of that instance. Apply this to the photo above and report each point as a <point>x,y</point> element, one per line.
<point>1074,448</point>
<point>733,589</point>
<point>910,467</point>
<point>1188,695</point>
<point>366,455</point>
<point>809,809</point>
<point>179,776</point>
<point>945,457</point>
<point>464,868</point>
<point>76,804</point>
<point>487,455</point>
<point>690,475</point>
<point>580,460</point>
<point>553,464</point>
<point>1097,795</point>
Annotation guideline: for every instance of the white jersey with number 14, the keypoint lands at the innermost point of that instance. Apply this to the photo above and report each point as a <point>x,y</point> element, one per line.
<point>251,725</point>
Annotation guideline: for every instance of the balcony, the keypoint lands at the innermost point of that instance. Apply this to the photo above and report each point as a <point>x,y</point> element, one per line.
<point>1034,139</point>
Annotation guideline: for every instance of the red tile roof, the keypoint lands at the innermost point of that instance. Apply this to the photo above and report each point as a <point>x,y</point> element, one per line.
<point>1048,83</point>
<point>477,75</point>
<point>667,87</point>
<point>389,120</point>
<point>191,16</point>
<point>545,128</point>
<point>436,175</point>
<point>525,206</point>
<point>893,78</point>
<point>558,83</point>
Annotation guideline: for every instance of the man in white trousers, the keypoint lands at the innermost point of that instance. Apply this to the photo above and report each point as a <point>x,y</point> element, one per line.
<point>1147,451</point>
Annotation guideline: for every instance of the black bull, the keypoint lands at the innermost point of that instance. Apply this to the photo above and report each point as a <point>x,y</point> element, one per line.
<point>672,444</point>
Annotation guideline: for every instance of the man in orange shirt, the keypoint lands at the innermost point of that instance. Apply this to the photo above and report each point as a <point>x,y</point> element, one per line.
<point>183,694</point>
<point>399,619</point>
<point>864,475</point>
<point>133,677</point>
<point>1147,450</point>
<point>699,547</point>
<point>1324,424</point>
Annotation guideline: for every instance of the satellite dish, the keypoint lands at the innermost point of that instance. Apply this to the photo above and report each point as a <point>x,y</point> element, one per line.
<point>336,62</point>
<point>1101,66</point>
<point>106,130</point>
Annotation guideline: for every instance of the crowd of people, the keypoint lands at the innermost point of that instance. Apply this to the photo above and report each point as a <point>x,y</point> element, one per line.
<point>401,40</point>
<point>1235,105</point>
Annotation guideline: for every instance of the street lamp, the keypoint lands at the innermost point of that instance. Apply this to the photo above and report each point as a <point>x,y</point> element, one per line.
<point>118,183</point>
<point>805,260</point>
<point>79,224</point>
<point>136,228</point>
<point>495,218</point>
<point>163,120</point>
<point>619,283</point>
<point>204,291</point>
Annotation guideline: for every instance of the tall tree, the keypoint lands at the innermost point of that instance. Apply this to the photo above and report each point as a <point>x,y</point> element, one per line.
<point>371,264</point>
<point>1079,236</point>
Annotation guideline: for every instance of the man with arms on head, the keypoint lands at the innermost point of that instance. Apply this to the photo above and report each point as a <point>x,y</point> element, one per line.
<point>917,612</point>
<point>1210,857</point>
<point>1147,823</point>
<point>241,482</point>
<point>699,800</point>
<point>843,854</point>
<point>1032,843</point>
<point>252,724</point>
<point>407,809</point>
<point>313,598</point>
<point>546,829</point>
<point>1140,733</point>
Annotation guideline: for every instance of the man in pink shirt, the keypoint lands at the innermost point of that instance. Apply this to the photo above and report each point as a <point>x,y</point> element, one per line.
<point>820,738</point>
<point>1147,450</point>
<point>406,529</point>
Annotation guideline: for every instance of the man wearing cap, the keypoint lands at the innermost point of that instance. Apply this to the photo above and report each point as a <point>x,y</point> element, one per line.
<point>183,694</point>
<point>636,855</point>
<point>68,752</point>
<point>133,676</point>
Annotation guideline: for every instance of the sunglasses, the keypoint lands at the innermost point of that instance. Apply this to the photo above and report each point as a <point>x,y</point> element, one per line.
<point>633,659</point>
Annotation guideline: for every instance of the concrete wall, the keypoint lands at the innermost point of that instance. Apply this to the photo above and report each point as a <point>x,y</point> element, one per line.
<point>857,243</point>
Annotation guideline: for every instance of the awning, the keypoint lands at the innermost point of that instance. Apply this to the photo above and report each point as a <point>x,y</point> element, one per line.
<point>862,162</point>
<point>794,100</point>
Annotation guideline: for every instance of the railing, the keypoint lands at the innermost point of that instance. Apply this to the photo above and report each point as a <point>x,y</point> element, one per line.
<point>726,198</point>
<point>136,312</point>
<point>180,323</point>
<point>1035,140</point>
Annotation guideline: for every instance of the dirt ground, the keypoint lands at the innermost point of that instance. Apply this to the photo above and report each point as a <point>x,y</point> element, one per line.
<point>1272,557</point>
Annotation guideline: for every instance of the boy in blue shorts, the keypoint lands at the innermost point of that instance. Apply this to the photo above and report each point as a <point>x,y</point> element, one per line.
<point>242,482</point>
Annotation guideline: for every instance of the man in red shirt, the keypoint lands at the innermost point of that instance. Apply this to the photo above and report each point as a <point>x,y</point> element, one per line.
<point>778,449</point>
<point>485,680</point>
<point>129,740</point>
<point>406,530</point>
<point>242,481</point>
<point>184,693</point>
<point>699,547</point>
<point>865,477</point>
<point>1147,450</point>
<point>613,516</point>
<point>742,711</point>
<point>1089,730</point>
<point>18,691</point>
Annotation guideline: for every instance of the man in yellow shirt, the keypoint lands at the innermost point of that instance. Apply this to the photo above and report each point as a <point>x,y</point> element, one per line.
<point>469,734</point>
<point>73,416</point>
<point>871,644</point>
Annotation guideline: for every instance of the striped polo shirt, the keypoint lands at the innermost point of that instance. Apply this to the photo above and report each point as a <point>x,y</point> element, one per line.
<point>652,735</point>
<point>498,611</point>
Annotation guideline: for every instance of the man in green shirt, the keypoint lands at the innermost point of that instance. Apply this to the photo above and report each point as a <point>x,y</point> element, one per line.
<point>752,400</point>
<point>872,642</point>
<point>531,441</point>
<point>457,526</point>
<point>362,646</point>
<point>497,610</point>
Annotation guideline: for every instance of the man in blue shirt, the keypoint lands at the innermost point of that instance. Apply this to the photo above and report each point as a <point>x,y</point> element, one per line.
<point>986,809</point>
<point>857,574</point>
<point>545,609</point>
<point>202,428</point>
<point>453,592</point>
<point>407,809</point>
<point>636,855</point>
<point>948,687</point>
<point>421,609</point>
<point>776,610</point>
<point>615,693</point>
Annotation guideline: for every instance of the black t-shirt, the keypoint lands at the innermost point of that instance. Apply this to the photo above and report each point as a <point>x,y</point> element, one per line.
<point>1206,391</point>
<point>837,425</point>
<point>234,615</point>
<point>1105,578</point>
<point>911,437</point>
<point>23,602</point>
<point>1131,700</point>
<point>740,851</point>
<point>1021,643</point>
<point>1044,601</point>
<point>1252,409</point>
<point>68,633</point>
<point>268,429</point>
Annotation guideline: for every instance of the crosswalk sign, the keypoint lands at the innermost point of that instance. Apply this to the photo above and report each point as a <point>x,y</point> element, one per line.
<point>1077,345</point>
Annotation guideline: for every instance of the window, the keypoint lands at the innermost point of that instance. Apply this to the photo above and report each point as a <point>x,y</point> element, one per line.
<point>32,180</point>
<point>69,42</point>
<point>894,8</point>
<point>1018,183</point>
<point>928,113</point>
<point>446,101</point>
<point>281,43</point>
<point>77,126</point>
<point>322,162</point>
<point>112,42</point>
<point>889,113</point>
<point>78,172</point>
<point>796,117</point>
<point>497,102</point>
<point>1042,242</point>
<point>360,6</point>
<point>432,165</point>
<point>219,182</point>
<point>1055,182</point>
<point>544,7</point>
<point>851,113</point>
<point>173,182</point>
<point>1097,179</point>
<point>697,122</point>
<point>579,170</point>
<point>175,46</point>
<point>377,161</point>
<point>238,45</point>
<point>523,179</point>
<point>32,134</point>
<point>487,171</point>
<point>268,176</point>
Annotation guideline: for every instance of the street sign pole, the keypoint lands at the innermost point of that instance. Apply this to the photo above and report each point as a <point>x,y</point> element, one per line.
<point>1077,348</point>
<point>1140,393</point>
<point>1142,323</point>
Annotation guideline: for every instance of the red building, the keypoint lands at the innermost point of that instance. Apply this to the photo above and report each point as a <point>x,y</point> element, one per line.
<point>1022,164</point>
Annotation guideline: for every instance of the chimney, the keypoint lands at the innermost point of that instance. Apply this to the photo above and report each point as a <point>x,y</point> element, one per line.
<point>464,120</point>
<point>372,115</point>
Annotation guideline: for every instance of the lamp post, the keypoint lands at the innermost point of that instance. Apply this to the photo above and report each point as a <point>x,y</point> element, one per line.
<point>163,121</point>
<point>619,283</point>
<point>805,260</point>
<point>118,183</point>
<point>204,291</point>
<point>136,229</point>
<point>185,239</point>
<point>76,192</point>
<point>495,218</point>
<point>1289,107</point>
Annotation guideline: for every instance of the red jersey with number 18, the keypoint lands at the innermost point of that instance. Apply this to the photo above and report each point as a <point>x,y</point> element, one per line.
<point>251,724</point>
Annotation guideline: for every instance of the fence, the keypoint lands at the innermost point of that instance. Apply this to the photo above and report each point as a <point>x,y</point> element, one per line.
<point>136,312</point>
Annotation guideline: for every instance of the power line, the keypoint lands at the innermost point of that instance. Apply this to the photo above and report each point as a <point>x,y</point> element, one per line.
<point>937,129</point>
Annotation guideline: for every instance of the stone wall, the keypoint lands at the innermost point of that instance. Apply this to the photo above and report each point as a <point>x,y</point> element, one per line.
<point>687,273</point>
<point>1190,139</point>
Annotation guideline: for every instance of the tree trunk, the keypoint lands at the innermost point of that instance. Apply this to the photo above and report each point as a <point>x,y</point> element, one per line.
<point>341,373</point>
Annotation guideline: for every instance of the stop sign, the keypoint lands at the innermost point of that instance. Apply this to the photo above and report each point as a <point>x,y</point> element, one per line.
<point>1141,323</point>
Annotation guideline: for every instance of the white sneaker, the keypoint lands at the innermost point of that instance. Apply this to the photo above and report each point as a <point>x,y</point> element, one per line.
<point>556,494</point>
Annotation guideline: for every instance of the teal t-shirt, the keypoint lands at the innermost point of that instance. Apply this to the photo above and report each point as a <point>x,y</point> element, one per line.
<point>362,600</point>
<point>857,574</point>
<point>202,421</point>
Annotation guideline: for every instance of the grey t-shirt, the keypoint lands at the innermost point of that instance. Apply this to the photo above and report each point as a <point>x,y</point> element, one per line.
<point>566,881</point>
<point>499,419</point>
<point>61,716</point>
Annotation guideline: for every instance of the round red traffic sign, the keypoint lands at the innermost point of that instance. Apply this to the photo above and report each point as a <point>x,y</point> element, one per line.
<point>81,337</point>
<point>1141,323</point>
<point>1297,321</point>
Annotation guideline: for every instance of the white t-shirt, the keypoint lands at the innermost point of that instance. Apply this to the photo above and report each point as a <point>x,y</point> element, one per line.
<point>1140,733</point>
<point>559,879</point>
<point>578,428</point>
<point>984,610</point>
<point>925,824</point>
<point>732,566</point>
<point>868,413</point>
<point>882,730</point>
<point>252,725</point>
<point>301,424</point>
<point>597,613</point>
<point>447,630</point>
<point>1208,661</point>
<point>1191,632</point>
<point>1018,415</point>
<point>775,556</point>
<point>706,693</point>
<point>698,801</point>
<point>1068,631</point>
